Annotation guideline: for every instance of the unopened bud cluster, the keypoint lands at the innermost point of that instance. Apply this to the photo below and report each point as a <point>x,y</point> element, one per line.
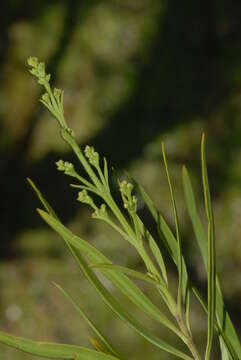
<point>92,155</point>
<point>84,197</point>
<point>66,167</point>
<point>52,99</point>
<point>129,200</point>
<point>38,70</point>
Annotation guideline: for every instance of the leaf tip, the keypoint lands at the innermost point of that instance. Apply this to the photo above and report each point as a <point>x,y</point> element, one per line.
<point>203,138</point>
<point>30,182</point>
<point>41,212</point>
<point>184,169</point>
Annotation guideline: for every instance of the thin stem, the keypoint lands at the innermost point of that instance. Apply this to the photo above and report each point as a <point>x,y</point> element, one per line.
<point>188,338</point>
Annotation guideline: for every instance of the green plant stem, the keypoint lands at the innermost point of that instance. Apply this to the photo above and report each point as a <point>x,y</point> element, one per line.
<point>188,338</point>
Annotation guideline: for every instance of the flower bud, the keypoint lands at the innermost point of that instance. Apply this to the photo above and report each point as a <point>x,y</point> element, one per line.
<point>92,155</point>
<point>84,197</point>
<point>66,167</point>
<point>32,61</point>
<point>57,94</point>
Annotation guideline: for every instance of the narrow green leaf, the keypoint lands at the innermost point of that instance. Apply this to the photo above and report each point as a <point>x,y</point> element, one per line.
<point>151,278</point>
<point>188,312</point>
<point>130,272</point>
<point>43,201</point>
<point>106,174</point>
<point>154,248</point>
<point>226,341</point>
<point>158,256</point>
<point>107,346</point>
<point>52,350</point>
<point>179,263</point>
<point>221,313</point>
<point>223,349</point>
<point>166,236</point>
<point>192,211</point>
<point>104,293</point>
<point>211,253</point>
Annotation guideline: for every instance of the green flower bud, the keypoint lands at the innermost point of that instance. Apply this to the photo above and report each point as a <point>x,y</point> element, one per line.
<point>66,167</point>
<point>60,165</point>
<point>47,77</point>
<point>41,70</point>
<point>57,94</point>
<point>129,201</point>
<point>92,155</point>
<point>38,70</point>
<point>41,81</point>
<point>126,188</point>
<point>34,72</point>
<point>84,197</point>
<point>32,61</point>
<point>70,131</point>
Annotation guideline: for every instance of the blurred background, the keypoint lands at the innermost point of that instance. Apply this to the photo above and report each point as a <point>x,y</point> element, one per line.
<point>135,73</point>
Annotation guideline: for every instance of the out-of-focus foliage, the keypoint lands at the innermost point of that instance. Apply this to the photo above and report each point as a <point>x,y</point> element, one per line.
<point>134,73</point>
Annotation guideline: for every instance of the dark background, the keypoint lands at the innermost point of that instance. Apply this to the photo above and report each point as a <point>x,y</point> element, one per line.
<point>134,73</point>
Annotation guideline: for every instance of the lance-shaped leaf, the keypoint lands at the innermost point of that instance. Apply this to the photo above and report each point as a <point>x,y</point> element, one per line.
<point>193,213</point>
<point>44,202</point>
<point>222,335</point>
<point>154,248</point>
<point>53,350</point>
<point>166,236</point>
<point>221,313</point>
<point>178,237</point>
<point>130,272</point>
<point>211,253</point>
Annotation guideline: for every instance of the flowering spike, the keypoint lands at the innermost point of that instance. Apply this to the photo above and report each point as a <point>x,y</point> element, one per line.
<point>38,70</point>
<point>129,200</point>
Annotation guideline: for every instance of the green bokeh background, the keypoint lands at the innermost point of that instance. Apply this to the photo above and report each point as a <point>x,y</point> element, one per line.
<point>135,73</point>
